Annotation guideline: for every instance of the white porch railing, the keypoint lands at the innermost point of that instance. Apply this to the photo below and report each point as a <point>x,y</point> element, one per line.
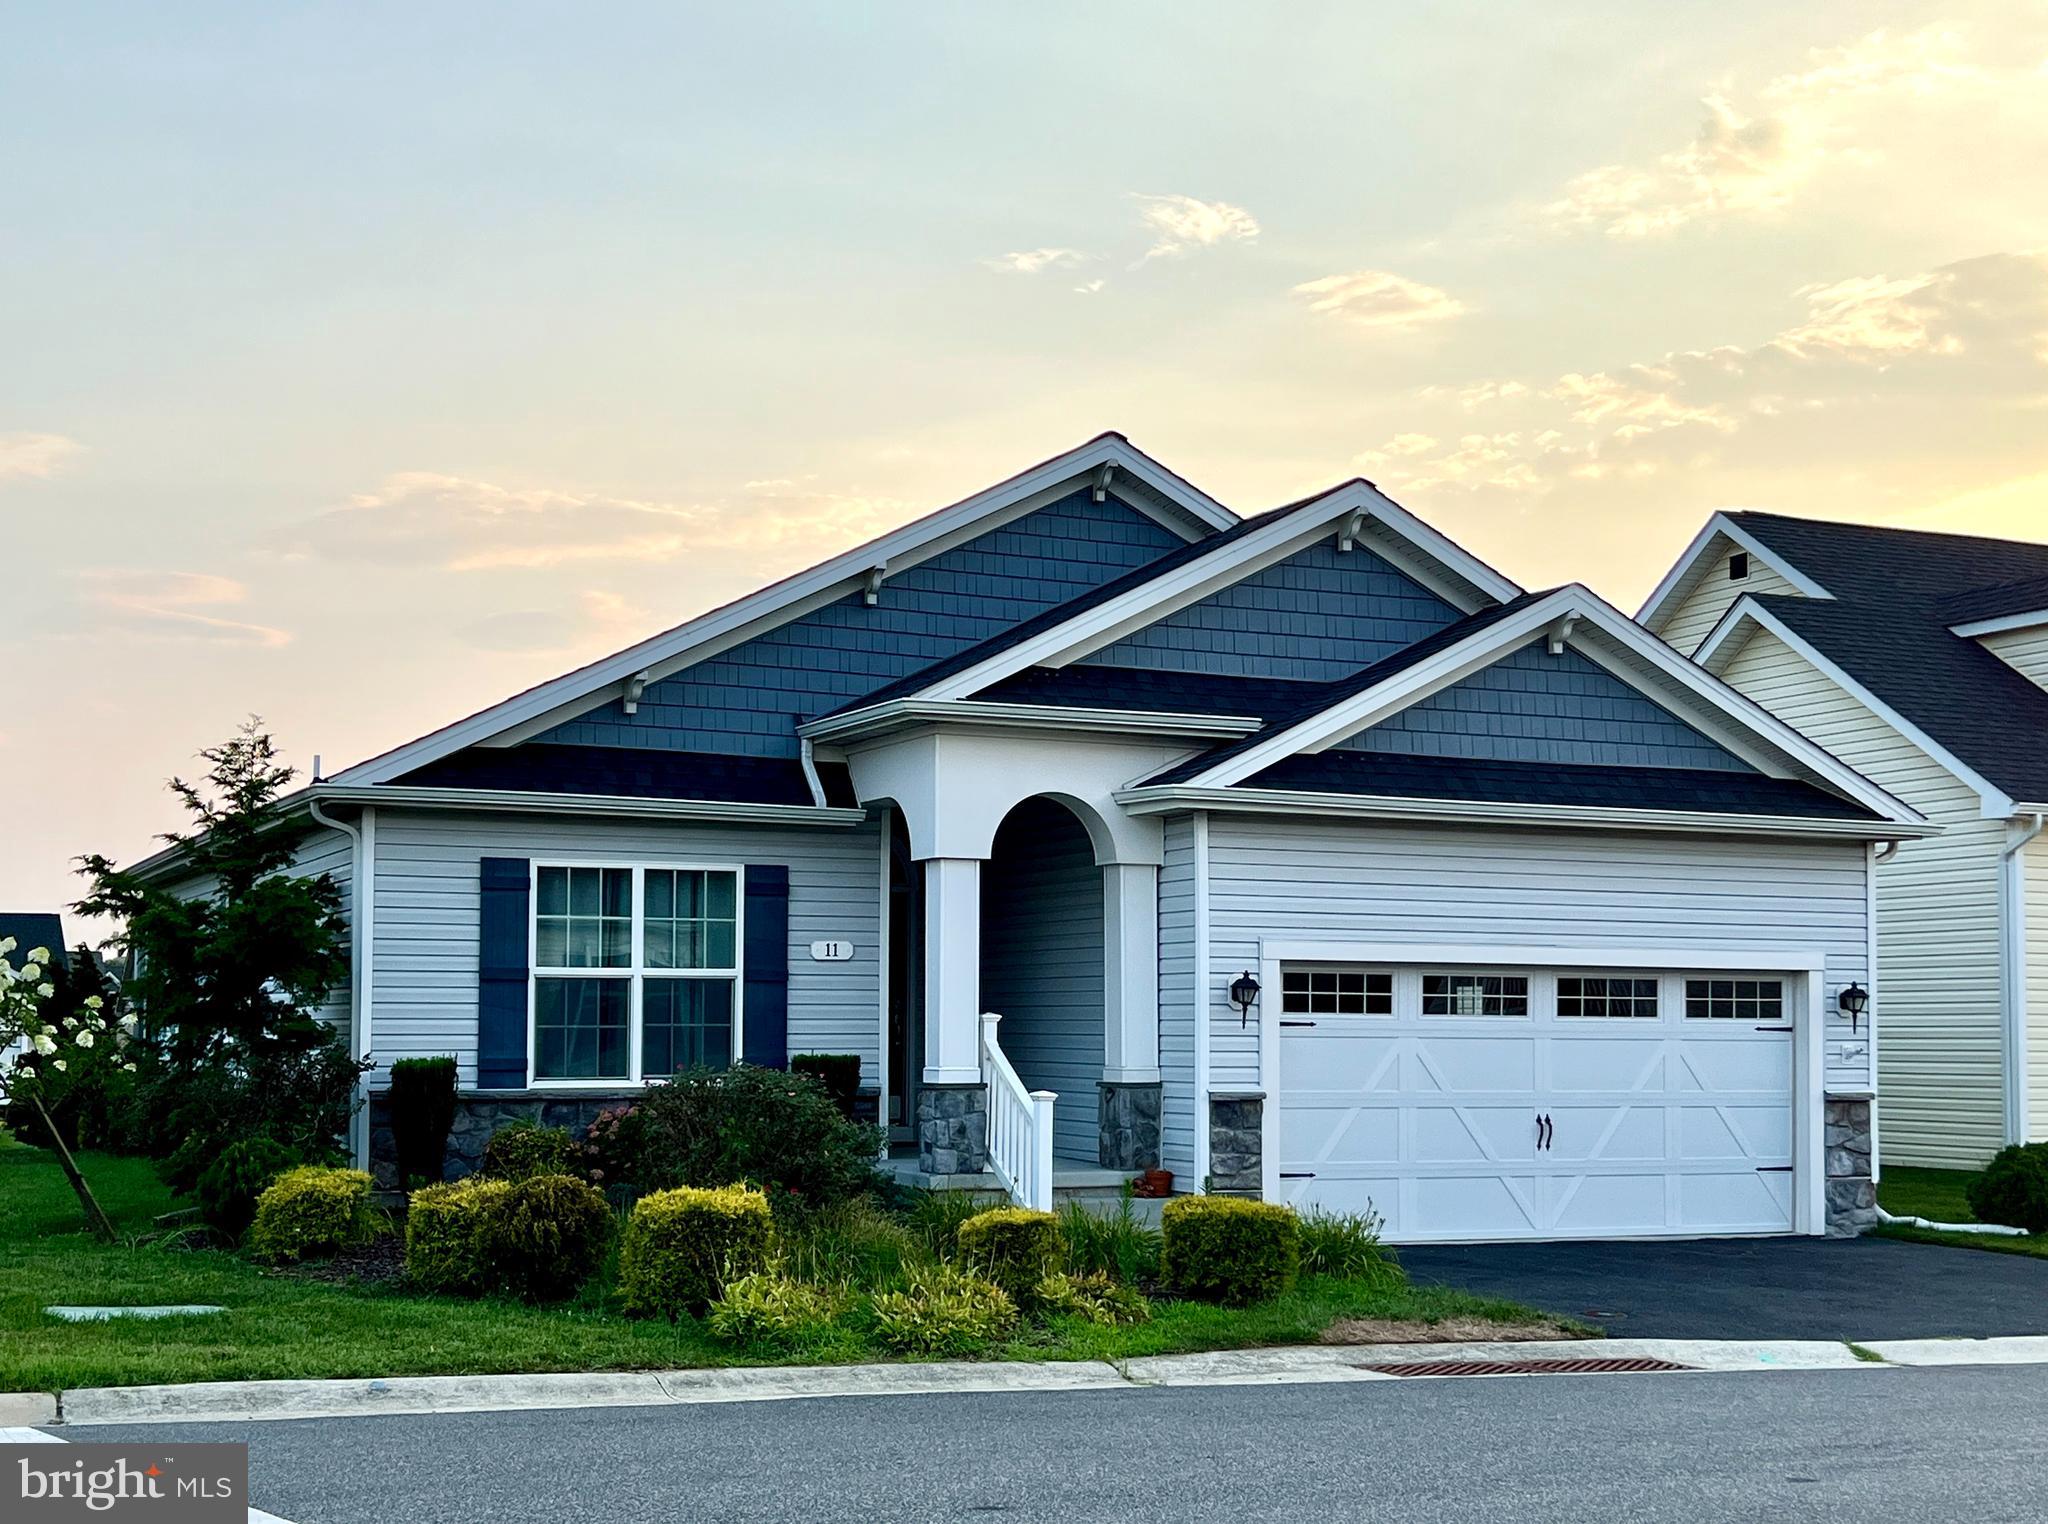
<point>1019,1126</point>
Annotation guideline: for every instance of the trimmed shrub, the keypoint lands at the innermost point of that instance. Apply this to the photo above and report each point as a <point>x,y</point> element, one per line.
<point>2013,1189</point>
<point>522,1150</point>
<point>839,1073</point>
<point>1095,1298</point>
<point>1344,1244</point>
<point>311,1213</point>
<point>543,1237</point>
<point>422,1101</point>
<point>445,1234</point>
<point>228,1187</point>
<point>771,1309</point>
<point>1013,1246</point>
<point>945,1311</point>
<point>1115,1244</point>
<point>778,1131</point>
<point>1230,1250</point>
<point>683,1246</point>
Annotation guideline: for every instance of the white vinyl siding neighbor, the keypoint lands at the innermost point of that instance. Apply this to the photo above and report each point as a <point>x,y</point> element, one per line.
<point>2025,651</point>
<point>428,909</point>
<point>332,853</point>
<point>1938,994</point>
<point>1281,879</point>
<point>2035,920</point>
<point>1713,593</point>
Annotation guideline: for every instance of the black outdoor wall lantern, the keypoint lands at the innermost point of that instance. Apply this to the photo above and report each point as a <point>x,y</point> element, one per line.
<point>1854,999</point>
<point>1244,994</point>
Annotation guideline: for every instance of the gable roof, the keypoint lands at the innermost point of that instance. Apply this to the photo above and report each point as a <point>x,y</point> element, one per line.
<point>32,929</point>
<point>1138,478</point>
<point>1693,563</point>
<point>1260,761</point>
<point>1179,578</point>
<point>1888,627</point>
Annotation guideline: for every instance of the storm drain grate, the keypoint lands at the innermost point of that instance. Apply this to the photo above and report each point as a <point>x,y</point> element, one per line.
<point>1591,1367</point>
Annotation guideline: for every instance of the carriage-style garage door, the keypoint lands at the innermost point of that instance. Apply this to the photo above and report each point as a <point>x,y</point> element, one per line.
<point>1475,1103</point>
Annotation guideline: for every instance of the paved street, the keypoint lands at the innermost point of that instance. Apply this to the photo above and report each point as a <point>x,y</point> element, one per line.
<point>1957,1444</point>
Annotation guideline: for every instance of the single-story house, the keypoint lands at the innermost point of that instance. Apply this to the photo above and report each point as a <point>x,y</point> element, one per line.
<point>1303,855</point>
<point>1921,660</point>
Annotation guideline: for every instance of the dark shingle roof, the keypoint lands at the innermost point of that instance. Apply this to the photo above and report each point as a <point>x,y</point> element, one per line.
<point>633,772</point>
<point>1887,627</point>
<point>1154,692</point>
<point>1316,697</point>
<point>2029,595</point>
<point>32,929</point>
<point>1381,775</point>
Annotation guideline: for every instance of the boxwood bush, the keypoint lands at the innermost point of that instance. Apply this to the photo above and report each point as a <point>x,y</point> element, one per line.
<point>422,1102</point>
<point>682,1247</point>
<point>2013,1189</point>
<point>311,1213</point>
<point>544,1237</point>
<point>1013,1246</point>
<point>1230,1250</point>
<point>522,1150</point>
<point>778,1131</point>
<point>445,1245</point>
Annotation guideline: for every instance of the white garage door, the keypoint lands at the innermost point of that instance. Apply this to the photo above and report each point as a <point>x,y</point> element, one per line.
<point>1530,1103</point>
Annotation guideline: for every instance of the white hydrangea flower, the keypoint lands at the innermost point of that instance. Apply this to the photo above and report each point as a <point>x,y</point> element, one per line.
<point>6,946</point>
<point>129,1067</point>
<point>39,955</point>
<point>46,990</point>
<point>93,1002</point>
<point>84,1039</point>
<point>129,1024</point>
<point>59,1064</point>
<point>45,1044</point>
<point>30,972</point>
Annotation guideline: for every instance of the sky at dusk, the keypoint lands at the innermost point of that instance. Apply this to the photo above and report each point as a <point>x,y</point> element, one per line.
<point>362,364</point>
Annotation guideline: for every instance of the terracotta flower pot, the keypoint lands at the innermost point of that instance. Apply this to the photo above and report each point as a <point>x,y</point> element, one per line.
<point>1153,1182</point>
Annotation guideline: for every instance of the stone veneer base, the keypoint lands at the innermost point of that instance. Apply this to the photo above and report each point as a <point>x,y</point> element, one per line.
<point>1128,1116</point>
<point>1237,1145</point>
<point>952,1129</point>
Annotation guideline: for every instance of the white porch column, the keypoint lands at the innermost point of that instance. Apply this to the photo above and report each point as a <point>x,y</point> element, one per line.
<point>952,971</point>
<point>1130,975</point>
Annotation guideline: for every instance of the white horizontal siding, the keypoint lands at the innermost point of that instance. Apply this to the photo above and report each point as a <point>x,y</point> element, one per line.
<point>427,915</point>
<point>2024,650</point>
<point>1712,594</point>
<point>1939,1021</point>
<point>2035,920</point>
<point>1305,880</point>
<point>1179,1106</point>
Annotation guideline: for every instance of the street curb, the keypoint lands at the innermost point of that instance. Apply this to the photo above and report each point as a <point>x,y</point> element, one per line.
<point>275,1401</point>
<point>26,1410</point>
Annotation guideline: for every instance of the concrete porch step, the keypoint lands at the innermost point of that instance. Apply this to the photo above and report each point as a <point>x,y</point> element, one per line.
<point>1070,1181</point>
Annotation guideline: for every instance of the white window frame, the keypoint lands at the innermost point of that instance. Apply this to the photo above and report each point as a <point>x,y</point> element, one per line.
<point>635,972</point>
<point>1481,972</point>
<point>1392,994</point>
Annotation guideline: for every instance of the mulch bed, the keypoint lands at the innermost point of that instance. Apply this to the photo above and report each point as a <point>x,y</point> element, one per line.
<point>379,1262</point>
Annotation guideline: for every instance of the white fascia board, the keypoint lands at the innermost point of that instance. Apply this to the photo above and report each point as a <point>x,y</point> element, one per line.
<point>1677,582</point>
<point>538,708</point>
<point>1164,799</point>
<point>1995,801</point>
<point>1485,646</point>
<point>881,718</point>
<point>1167,594</point>
<point>2000,625</point>
<point>529,802</point>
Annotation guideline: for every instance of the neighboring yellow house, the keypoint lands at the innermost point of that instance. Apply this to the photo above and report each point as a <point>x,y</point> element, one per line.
<point>1921,660</point>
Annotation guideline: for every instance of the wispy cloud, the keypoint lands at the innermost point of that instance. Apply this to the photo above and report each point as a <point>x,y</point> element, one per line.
<point>172,605</point>
<point>1181,224</point>
<point>1379,299</point>
<point>599,619</point>
<point>1036,261</point>
<point>36,455</point>
<point>463,524</point>
<point>1753,156</point>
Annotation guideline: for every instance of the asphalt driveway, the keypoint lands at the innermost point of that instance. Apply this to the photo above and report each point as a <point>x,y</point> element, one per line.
<point>1757,1288</point>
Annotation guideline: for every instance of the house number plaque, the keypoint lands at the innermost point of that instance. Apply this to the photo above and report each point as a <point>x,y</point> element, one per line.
<point>832,952</point>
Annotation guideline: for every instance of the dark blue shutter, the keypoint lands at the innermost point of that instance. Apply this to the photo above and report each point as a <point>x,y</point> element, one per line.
<point>501,974</point>
<point>764,971</point>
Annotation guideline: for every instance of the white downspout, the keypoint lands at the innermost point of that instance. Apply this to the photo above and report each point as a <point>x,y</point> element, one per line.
<point>2012,949</point>
<point>807,754</point>
<point>362,925</point>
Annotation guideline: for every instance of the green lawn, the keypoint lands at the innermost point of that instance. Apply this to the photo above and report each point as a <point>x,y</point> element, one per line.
<point>1937,1195</point>
<point>279,1325</point>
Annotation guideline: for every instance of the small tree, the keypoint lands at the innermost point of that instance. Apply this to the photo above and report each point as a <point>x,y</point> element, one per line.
<point>228,981</point>
<point>30,1018</point>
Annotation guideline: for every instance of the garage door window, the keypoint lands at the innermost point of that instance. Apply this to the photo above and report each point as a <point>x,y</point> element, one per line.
<point>1475,995</point>
<point>1735,999</point>
<point>1336,992</point>
<point>1604,995</point>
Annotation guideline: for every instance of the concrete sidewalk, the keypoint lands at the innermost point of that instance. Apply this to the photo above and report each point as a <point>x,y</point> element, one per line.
<point>264,1401</point>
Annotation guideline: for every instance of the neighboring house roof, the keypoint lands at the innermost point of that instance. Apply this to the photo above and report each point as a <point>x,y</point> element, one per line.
<point>1896,593</point>
<point>34,928</point>
<point>2029,595</point>
<point>1383,775</point>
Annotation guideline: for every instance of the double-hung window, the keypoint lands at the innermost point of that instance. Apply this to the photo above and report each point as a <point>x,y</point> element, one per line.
<point>635,971</point>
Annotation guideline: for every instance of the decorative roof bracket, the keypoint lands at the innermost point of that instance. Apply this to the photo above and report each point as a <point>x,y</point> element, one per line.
<point>871,585</point>
<point>635,686</point>
<point>1560,632</point>
<point>1103,473</point>
<point>1347,537</point>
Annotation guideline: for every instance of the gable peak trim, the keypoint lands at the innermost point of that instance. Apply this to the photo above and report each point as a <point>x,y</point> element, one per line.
<point>1693,560</point>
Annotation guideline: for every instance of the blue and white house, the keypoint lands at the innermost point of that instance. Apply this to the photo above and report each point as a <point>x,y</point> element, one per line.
<point>1302,855</point>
